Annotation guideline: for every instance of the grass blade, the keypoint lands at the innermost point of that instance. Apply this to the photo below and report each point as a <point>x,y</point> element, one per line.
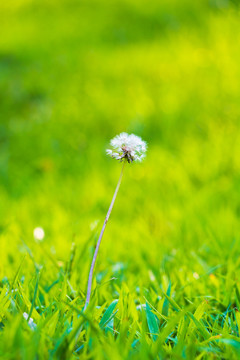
<point>152,322</point>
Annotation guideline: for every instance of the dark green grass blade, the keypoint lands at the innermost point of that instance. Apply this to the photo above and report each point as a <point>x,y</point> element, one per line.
<point>166,301</point>
<point>152,323</point>
<point>108,315</point>
<point>34,295</point>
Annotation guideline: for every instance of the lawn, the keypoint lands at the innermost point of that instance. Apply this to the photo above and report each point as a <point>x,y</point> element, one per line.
<point>74,74</point>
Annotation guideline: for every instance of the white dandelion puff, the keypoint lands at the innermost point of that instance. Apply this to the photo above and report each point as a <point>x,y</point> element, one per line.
<point>129,147</point>
<point>38,234</point>
<point>126,148</point>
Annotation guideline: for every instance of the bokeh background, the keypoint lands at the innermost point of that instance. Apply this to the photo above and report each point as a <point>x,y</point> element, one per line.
<point>73,74</point>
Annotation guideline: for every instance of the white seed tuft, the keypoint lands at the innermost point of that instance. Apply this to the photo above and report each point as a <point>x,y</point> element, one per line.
<point>129,147</point>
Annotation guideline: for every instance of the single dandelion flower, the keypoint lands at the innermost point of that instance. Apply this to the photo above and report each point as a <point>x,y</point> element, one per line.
<point>126,148</point>
<point>129,147</point>
<point>38,234</point>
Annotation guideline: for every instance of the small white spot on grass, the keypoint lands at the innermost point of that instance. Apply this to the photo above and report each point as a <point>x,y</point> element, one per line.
<point>38,234</point>
<point>94,225</point>
<point>151,276</point>
<point>196,275</point>
<point>31,323</point>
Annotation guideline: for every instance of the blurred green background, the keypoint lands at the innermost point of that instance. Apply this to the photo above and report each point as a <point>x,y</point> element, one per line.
<point>73,74</point>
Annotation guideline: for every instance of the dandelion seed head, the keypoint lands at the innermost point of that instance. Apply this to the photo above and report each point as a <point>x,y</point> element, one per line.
<point>38,233</point>
<point>129,147</point>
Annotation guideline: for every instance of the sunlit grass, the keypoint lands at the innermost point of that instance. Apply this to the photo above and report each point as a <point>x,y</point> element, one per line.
<point>72,75</point>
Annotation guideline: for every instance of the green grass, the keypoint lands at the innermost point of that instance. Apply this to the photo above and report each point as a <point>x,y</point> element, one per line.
<point>73,74</point>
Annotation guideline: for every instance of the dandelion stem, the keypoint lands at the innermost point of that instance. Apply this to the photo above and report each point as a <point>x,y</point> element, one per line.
<point>89,285</point>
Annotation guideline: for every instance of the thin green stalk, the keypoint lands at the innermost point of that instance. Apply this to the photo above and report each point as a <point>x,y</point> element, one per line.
<point>90,276</point>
